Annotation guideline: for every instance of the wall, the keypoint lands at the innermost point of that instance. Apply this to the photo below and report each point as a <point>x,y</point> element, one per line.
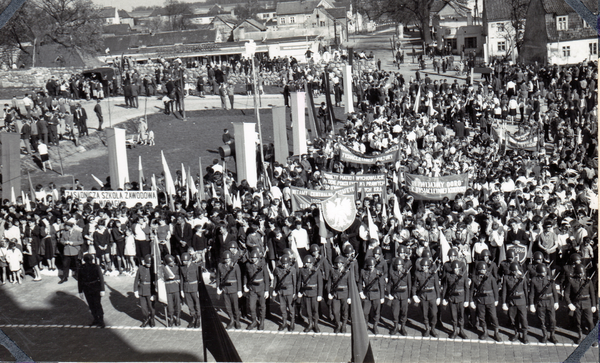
<point>33,78</point>
<point>580,51</point>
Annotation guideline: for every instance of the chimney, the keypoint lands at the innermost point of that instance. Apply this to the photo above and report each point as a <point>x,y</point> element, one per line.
<point>469,18</point>
<point>116,19</point>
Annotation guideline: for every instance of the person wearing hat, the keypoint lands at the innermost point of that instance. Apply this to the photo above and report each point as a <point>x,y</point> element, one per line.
<point>144,288</point>
<point>72,240</point>
<point>173,289</point>
<point>285,285</point>
<point>190,274</point>
<point>256,281</point>
<point>337,292</point>
<point>91,287</point>
<point>229,284</point>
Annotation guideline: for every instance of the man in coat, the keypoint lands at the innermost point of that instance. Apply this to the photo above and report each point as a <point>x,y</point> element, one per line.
<point>91,286</point>
<point>81,120</point>
<point>72,239</point>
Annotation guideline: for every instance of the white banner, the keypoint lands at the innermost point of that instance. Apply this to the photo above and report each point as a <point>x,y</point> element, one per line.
<point>131,198</point>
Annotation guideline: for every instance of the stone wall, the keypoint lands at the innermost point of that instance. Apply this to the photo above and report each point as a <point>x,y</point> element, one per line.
<point>33,78</point>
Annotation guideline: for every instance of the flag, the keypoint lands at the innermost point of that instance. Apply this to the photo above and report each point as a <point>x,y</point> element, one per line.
<point>284,210</point>
<point>226,194</point>
<point>191,184</point>
<point>322,227</point>
<point>445,246</point>
<point>395,181</point>
<point>373,231</point>
<point>397,212</point>
<point>214,336</point>
<point>157,264</point>
<point>13,199</point>
<point>169,184</point>
<point>384,211</point>
<point>27,204</point>
<point>22,197</point>
<point>213,188</point>
<point>361,347</point>
<point>328,100</point>
<point>201,195</point>
<point>141,173</point>
<point>417,100</point>
<point>153,180</point>
<point>183,176</point>
<point>238,201</point>
<point>98,181</point>
<point>32,190</point>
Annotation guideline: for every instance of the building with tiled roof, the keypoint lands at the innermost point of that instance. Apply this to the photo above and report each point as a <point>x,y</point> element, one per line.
<point>112,15</point>
<point>499,31</point>
<point>556,34</point>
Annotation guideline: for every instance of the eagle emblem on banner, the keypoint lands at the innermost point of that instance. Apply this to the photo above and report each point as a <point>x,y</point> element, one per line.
<point>339,211</point>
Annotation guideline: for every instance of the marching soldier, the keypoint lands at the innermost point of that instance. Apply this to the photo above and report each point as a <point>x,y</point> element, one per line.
<point>173,287</point>
<point>455,290</point>
<point>338,287</point>
<point>492,267</point>
<point>144,288</point>
<point>189,288</point>
<point>256,285</point>
<point>514,300</point>
<point>484,299</point>
<point>543,299</point>
<point>284,279</point>
<point>91,286</point>
<point>399,289</point>
<point>581,298</point>
<point>426,290</point>
<point>381,264</point>
<point>229,280</point>
<point>351,260</point>
<point>371,287</point>
<point>322,263</point>
<point>310,289</point>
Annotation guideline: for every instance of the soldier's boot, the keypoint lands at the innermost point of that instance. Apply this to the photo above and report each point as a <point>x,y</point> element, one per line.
<point>231,323</point>
<point>316,328</point>
<point>337,328</point>
<point>426,332</point>
<point>497,335</point>
<point>310,326</point>
<point>395,330</point>
<point>169,321</point>
<point>193,322</point>
<point>145,322</point>
<point>261,324</point>
<point>292,325</point>
<point>515,335</point>
<point>152,322</point>
<point>454,332</point>
<point>403,330</point>
<point>177,320</point>
<point>237,323</point>
<point>553,337</point>
<point>343,327</point>
<point>375,330</point>
<point>462,333</point>
<point>579,336</point>
<point>253,325</point>
<point>525,338</point>
<point>198,321</point>
<point>282,326</point>
<point>484,334</point>
<point>544,336</point>
<point>433,332</point>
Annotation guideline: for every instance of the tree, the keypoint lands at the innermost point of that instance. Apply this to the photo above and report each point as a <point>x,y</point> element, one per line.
<point>176,13</point>
<point>518,12</point>
<point>72,24</point>
<point>247,10</point>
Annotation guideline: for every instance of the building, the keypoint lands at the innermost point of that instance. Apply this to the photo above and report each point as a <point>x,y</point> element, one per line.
<point>224,23</point>
<point>499,32</point>
<point>556,34</point>
<point>249,29</point>
<point>455,29</point>
<point>112,15</point>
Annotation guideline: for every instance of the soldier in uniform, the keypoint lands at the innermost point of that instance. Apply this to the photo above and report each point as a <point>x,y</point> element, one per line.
<point>404,254</point>
<point>189,291</point>
<point>426,290</point>
<point>381,263</point>
<point>484,298</point>
<point>322,263</point>
<point>351,260</point>
<point>229,283</point>
<point>504,269</point>
<point>543,299</point>
<point>514,300</point>
<point>337,288</point>
<point>310,289</point>
<point>173,287</point>
<point>537,259</point>
<point>371,287</point>
<point>581,299</point>
<point>256,286</point>
<point>399,289</point>
<point>91,286</point>
<point>284,279</point>
<point>455,290</point>
<point>492,267</point>
<point>144,288</point>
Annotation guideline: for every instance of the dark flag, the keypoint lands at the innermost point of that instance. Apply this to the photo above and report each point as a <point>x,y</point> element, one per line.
<point>214,335</point>
<point>361,347</point>
<point>312,114</point>
<point>328,100</point>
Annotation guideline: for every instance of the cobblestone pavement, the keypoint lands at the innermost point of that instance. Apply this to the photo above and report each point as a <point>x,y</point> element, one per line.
<point>49,322</point>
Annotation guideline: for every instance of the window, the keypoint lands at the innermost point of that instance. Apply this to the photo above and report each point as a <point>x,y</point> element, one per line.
<point>265,16</point>
<point>292,20</point>
<point>594,48</point>
<point>562,23</point>
<point>322,23</point>
<point>282,21</point>
<point>471,42</point>
<point>451,43</point>
<point>500,27</point>
<point>502,46</point>
<point>585,24</point>
<point>566,51</point>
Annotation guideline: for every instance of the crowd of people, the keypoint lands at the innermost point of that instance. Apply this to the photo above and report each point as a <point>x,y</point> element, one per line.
<point>521,240</point>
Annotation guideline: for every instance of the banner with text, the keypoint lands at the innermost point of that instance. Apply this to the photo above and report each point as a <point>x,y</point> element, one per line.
<point>526,142</point>
<point>426,188</point>
<point>351,156</point>
<point>369,183</point>
<point>302,198</point>
<point>115,197</point>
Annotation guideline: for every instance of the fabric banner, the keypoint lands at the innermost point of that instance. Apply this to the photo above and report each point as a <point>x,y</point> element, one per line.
<point>369,183</point>
<point>426,188</point>
<point>528,142</point>
<point>302,198</point>
<point>131,198</point>
<point>339,211</point>
<point>361,346</point>
<point>351,156</point>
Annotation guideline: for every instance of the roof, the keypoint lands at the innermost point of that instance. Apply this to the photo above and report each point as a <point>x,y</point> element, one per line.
<point>116,29</point>
<point>119,44</point>
<point>497,10</point>
<point>136,14</point>
<point>255,23</point>
<point>560,7</point>
<point>226,18</point>
<point>216,10</point>
<point>110,13</point>
<point>460,9</point>
<point>296,7</point>
<point>337,13</point>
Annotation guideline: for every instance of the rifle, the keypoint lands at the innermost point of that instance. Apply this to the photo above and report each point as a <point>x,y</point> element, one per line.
<point>259,270</point>
<point>280,281</point>
<point>428,278</point>
<point>583,287</point>
<point>368,287</point>
<point>336,283</point>
<point>514,288</point>
<point>402,277</point>
<point>224,278</point>
<point>304,282</point>
<point>452,287</point>
<point>550,281</point>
